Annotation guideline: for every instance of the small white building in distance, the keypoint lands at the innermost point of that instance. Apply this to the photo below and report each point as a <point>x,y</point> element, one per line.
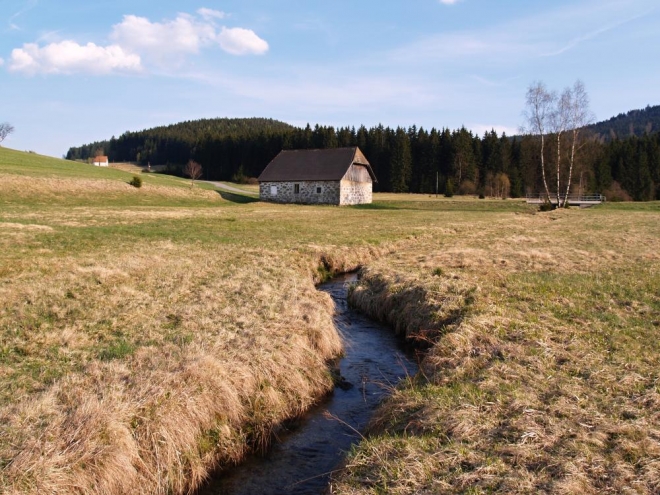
<point>100,161</point>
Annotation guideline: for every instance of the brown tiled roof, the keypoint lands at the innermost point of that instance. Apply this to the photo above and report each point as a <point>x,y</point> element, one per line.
<point>100,158</point>
<point>327,164</point>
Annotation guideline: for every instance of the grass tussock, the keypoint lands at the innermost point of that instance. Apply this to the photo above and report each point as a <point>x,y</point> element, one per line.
<point>112,387</point>
<point>545,383</point>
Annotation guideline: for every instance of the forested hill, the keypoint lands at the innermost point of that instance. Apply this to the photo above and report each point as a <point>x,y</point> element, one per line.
<point>404,159</point>
<point>174,143</point>
<point>633,123</point>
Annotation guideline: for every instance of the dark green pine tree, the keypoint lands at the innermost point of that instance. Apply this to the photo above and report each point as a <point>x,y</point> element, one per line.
<point>644,189</point>
<point>445,158</point>
<point>362,139</point>
<point>464,166</point>
<point>401,162</point>
<point>515,176</point>
<point>653,152</point>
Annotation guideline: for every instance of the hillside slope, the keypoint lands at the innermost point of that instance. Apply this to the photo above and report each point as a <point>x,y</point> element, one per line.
<point>179,137</point>
<point>633,123</point>
<point>31,179</point>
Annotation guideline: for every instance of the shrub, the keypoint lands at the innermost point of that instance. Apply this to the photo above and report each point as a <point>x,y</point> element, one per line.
<point>616,193</point>
<point>467,188</point>
<point>546,206</point>
<point>136,181</point>
<point>449,189</point>
<point>239,177</point>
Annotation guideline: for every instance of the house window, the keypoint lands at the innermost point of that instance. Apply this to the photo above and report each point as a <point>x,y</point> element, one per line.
<point>296,188</point>
<point>319,190</point>
<point>273,190</point>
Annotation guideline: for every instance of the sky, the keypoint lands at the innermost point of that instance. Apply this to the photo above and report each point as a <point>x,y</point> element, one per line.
<point>75,72</point>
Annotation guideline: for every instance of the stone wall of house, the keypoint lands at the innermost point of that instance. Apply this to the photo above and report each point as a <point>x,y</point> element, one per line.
<point>355,193</point>
<point>307,192</point>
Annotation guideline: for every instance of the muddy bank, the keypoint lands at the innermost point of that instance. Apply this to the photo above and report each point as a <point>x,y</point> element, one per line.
<point>307,451</point>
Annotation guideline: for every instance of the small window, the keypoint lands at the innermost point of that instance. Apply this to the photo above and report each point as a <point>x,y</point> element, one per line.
<point>273,190</point>
<point>296,188</point>
<point>319,190</point>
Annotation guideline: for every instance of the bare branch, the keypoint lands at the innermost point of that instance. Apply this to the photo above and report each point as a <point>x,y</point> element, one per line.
<point>580,116</point>
<point>538,114</point>
<point>5,130</point>
<point>192,170</point>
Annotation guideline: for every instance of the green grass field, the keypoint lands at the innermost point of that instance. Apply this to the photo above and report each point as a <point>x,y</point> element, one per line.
<point>149,335</point>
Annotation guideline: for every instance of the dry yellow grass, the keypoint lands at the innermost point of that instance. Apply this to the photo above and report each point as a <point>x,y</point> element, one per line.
<point>59,189</point>
<point>144,375</point>
<point>143,346</point>
<point>148,336</point>
<point>542,376</point>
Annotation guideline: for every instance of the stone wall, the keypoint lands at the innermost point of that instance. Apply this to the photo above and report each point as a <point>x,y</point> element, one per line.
<point>308,192</point>
<point>355,193</point>
<point>351,193</point>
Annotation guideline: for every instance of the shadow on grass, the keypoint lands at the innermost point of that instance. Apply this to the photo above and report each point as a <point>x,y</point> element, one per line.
<point>376,206</point>
<point>237,198</point>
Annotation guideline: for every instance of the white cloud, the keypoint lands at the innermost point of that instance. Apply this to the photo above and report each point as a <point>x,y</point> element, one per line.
<point>239,41</point>
<point>137,42</point>
<point>162,40</point>
<point>68,57</point>
<point>595,33</point>
<point>449,2</point>
<point>167,42</point>
<point>551,32</point>
<point>211,14</point>
<point>2,62</point>
<point>27,7</point>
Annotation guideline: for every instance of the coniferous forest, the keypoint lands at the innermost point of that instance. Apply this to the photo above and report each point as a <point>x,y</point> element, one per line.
<point>621,165</point>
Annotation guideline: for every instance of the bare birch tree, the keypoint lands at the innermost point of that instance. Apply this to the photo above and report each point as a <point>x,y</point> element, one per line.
<point>560,121</point>
<point>192,170</point>
<point>5,130</point>
<point>540,103</point>
<point>580,116</point>
<point>503,185</point>
<point>547,114</point>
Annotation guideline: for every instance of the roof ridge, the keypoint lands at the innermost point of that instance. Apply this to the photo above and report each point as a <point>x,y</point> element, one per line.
<point>311,164</point>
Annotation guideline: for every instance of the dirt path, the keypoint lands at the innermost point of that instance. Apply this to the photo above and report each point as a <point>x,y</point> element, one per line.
<point>221,185</point>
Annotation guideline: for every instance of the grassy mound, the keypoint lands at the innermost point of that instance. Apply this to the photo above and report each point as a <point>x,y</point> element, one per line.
<point>28,179</point>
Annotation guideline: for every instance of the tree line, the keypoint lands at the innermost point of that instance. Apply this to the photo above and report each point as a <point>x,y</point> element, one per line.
<point>639,122</point>
<point>408,159</point>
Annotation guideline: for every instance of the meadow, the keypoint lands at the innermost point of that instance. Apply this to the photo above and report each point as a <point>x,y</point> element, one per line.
<point>149,336</point>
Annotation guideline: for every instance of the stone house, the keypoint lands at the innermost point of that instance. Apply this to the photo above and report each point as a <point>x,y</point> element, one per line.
<point>338,176</point>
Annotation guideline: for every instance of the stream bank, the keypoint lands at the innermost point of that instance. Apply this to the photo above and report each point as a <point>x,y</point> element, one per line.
<point>306,451</point>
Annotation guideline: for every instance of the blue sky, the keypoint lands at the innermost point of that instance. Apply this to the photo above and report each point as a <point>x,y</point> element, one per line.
<point>82,71</point>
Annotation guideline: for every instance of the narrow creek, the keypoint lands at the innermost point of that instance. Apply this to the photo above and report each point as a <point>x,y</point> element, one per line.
<point>305,455</point>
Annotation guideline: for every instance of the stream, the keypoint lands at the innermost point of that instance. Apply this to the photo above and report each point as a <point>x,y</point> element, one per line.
<point>306,453</point>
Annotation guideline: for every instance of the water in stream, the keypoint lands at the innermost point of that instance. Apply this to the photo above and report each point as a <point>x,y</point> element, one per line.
<point>303,458</point>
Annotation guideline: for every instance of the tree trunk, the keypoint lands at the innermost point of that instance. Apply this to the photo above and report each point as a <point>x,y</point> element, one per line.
<point>570,167</point>
<point>545,182</point>
<point>558,168</point>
